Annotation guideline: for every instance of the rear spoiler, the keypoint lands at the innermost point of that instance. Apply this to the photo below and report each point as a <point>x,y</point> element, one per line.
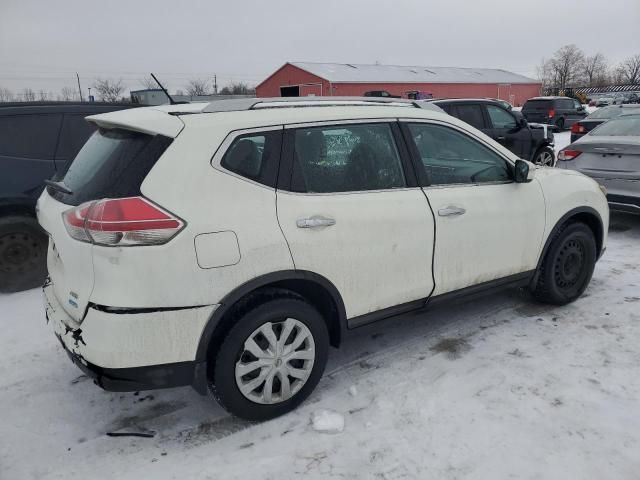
<point>145,120</point>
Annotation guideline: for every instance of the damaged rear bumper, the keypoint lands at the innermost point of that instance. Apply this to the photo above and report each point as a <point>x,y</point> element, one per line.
<point>126,351</point>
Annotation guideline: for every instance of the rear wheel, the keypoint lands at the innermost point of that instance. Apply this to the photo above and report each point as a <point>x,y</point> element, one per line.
<point>23,252</point>
<point>271,359</point>
<point>568,265</point>
<point>545,157</point>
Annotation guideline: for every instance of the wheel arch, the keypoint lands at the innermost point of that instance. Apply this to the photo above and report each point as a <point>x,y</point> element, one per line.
<point>314,288</point>
<point>586,215</point>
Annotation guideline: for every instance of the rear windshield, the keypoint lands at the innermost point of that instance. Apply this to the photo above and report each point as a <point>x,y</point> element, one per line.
<point>538,105</point>
<point>112,164</point>
<point>621,126</point>
<point>611,112</point>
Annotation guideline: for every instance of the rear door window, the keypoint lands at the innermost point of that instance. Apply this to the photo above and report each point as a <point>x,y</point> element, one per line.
<point>472,114</point>
<point>346,158</point>
<point>29,136</point>
<point>112,164</point>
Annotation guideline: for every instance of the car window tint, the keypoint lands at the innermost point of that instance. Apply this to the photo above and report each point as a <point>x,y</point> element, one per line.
<point>346,158</point>
<point>472,114</point>
<point>451,157</point>
<point>500,118</point>
<point>255,156</point>
<point>29,136</point>
<point>75,132</point>
<point>625,125</point>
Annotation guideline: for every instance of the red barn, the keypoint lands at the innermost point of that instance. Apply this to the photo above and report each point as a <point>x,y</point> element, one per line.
<point>308,78</point>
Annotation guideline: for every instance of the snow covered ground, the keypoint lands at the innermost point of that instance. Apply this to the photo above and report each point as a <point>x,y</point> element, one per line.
<point>497,388</point>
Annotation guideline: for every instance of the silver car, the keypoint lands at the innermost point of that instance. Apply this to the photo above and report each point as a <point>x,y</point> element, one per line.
<point>610,154</point>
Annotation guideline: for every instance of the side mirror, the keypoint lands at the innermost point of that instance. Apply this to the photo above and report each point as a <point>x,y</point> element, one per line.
<point>521,174</point>
<point>581,108</point>
<point>521,122</point>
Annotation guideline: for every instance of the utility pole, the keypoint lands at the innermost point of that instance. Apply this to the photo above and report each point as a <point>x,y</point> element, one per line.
<point>215,85</point>
<point>79,89</point>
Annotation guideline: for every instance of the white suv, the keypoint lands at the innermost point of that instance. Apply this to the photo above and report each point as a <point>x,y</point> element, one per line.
<point>226,246</point>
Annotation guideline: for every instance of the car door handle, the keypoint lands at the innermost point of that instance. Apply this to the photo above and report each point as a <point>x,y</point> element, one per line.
<point>315,222</point>
<point>451,211</point>
<point>501,138</point>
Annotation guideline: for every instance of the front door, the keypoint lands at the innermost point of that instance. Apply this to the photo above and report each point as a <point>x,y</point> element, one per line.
<point>505,130</point>
<point>487,226</point>
<point>352,213</point>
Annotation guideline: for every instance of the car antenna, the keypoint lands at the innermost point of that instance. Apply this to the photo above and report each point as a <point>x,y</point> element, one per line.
<point>171,100</point>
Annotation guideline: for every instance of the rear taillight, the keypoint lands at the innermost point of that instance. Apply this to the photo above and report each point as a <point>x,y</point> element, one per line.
<point>566,155</point>
<point>552,113</point>
<point>120,222</point>
<point>577,128</point>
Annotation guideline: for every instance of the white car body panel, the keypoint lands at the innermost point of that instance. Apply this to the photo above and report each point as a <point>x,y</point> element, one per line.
<point>378,253</point>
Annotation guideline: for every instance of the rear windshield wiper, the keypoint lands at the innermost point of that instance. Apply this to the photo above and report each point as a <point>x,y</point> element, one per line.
<point>59,186</point>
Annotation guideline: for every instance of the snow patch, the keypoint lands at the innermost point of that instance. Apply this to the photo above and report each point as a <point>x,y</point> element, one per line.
<point>327,421</point>
<point>353,390</point>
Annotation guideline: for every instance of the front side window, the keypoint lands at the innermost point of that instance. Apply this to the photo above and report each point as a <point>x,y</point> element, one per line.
<point>29,136</point>
<point>500,118</point>
<point>346,158</point>
<point>255,156</point>
<point>450,157</point>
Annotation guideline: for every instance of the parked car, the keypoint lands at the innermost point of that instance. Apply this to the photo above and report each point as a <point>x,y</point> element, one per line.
<point>531,142</point>
<point>604,101</point>
<point>37,139</point>
<point>506,105</point>
<point>380,93</point>
<point>226,246</point>
<point>610,154</point>
<point>598,117</point>
<point>618,99</point>
<point>562,112</point>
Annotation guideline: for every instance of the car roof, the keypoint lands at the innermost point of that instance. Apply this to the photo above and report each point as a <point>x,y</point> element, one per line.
<point>550,97</point>
<point>463,100</point>
<point>13,108</point>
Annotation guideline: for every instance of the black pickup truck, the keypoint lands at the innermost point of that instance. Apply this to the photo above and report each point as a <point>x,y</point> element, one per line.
<point>37,140</point>
<point>530,141</point>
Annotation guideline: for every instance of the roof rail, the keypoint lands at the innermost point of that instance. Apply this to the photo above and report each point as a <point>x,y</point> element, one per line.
<point>241,104</point>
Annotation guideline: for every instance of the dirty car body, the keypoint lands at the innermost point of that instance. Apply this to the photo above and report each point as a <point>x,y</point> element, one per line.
<point>226,246</point>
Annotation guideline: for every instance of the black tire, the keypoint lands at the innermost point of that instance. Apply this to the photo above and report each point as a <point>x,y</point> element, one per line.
<point>542,154</point>
<point>222,380</point>
<point>23,254</point>
<point>568,265</point>
<point>560,124</point>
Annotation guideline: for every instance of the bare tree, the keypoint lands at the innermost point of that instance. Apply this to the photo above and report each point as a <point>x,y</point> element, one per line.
<point>28,95</point>
<point>179,92</point>
<point>149,83</point>
<point>6,95</point>
<point>544,72</point>
<point>43,95</point>
<point>108,89</point>
<point>197,87</point>
<point>630,69</point>
<point>68,94</point>
<point>595,70</point>
<point>566,66</point>
<point>238,88</point>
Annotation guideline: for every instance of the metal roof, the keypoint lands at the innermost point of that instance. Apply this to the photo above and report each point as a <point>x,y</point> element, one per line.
<point>362,73</point>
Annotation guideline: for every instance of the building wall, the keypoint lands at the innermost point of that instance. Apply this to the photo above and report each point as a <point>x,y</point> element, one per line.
<point>290,75</point>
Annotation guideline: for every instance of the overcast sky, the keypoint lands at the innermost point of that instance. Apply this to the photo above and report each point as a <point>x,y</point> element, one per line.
<point>43,43</point>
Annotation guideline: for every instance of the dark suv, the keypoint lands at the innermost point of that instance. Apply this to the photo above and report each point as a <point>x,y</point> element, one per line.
<point>37,139</point>
<point>561,112</point>
<point>529,141</point>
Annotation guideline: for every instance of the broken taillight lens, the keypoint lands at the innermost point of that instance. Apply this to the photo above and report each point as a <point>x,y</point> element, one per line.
<point>122,221</point>
<point>567,154</point>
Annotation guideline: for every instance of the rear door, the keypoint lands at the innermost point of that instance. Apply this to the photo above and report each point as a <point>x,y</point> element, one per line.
<point>537,111</point>
<point>112,164</point>
<point>488,227</point>
<point>351,211</point>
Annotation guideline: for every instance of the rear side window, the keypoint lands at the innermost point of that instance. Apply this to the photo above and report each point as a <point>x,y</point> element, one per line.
<point>472,114</point>
<point>112,164</point>
<point>29,136</point>
<point>533,105</point>
<point>346,158</point>
<point>74,134</point>
<point>255,156</point>
<point>623,126</point>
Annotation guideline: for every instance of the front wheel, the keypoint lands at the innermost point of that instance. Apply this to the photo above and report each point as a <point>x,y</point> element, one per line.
<point>271,359</point>
<point>568,265</point>
<point>545,157</point>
